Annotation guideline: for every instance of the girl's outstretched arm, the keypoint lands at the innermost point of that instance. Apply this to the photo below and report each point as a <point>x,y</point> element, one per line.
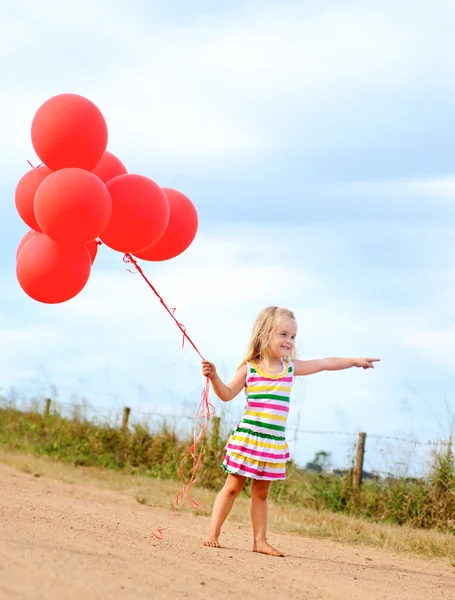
<point>223,391</point>
<point>308,367</point>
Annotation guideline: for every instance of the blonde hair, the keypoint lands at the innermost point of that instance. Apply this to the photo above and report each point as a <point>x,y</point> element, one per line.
<point>263,330</point>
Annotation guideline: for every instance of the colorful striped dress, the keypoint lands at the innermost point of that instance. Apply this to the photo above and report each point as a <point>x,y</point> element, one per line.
<point>257,447</point>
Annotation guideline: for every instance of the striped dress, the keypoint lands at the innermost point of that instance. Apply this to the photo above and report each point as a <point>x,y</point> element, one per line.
<point>257,447</point>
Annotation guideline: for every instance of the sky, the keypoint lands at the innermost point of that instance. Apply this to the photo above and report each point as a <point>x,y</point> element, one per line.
<point>316,141</point>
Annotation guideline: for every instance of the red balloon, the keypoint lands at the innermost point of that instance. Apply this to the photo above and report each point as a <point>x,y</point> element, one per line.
<point>68,130</point>
<point>180,232</point>
<point>72,206</point>
<point>52,273</point>
<point>109,167</point>
<point>25,194</point>
<point>140,213</point>
<point>27,237</point>
<point>92,248</point>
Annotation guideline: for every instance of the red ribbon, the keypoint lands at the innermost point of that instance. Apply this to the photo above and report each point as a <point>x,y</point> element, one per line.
<point>196,449</point>
<point>204,412</point>
<point>129,259</point>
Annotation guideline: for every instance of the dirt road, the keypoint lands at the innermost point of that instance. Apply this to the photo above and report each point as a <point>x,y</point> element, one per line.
<point>62,541</point>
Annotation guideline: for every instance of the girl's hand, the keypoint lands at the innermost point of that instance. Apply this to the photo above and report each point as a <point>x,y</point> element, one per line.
<point>208,369</point>
<point>366,363</point>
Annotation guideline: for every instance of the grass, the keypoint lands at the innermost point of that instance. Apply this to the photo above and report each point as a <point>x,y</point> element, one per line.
<point>402,514</point>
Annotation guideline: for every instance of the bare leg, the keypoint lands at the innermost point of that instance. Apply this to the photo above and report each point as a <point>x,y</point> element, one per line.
<point>222,507</point>
<point>259,493</point>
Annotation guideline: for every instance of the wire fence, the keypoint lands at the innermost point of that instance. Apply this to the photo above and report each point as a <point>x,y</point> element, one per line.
<point>154,420</point>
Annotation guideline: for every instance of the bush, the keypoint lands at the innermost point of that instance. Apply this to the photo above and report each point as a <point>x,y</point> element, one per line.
<point>428,502</point>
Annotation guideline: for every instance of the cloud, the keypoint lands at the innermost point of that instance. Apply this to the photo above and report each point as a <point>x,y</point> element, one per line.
<point>440,188</point>
<point>408,203</point>
<point>232,83</point>
<point>436,188</point>
<point>437,345</point>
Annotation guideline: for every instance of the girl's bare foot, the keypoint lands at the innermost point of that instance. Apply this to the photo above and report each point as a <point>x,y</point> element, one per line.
<point>212,541</point>
<point>266,548</point>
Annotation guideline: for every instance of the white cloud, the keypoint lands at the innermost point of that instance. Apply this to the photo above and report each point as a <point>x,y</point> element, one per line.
<point>226,85</point>
<point>437,345</point>
<point>440,188</point>
<point>437,187</point>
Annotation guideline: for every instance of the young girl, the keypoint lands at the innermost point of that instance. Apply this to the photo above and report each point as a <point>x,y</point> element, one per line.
<point>257,447</point>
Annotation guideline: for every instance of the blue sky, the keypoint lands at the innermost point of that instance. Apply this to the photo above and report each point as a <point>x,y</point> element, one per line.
<point>316,141</point>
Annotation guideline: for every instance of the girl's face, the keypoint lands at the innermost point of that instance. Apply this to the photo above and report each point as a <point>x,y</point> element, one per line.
<point>283,338</point>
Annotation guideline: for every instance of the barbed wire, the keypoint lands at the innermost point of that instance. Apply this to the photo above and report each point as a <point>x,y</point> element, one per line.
<point>101,412</point>
<point>370,435</point>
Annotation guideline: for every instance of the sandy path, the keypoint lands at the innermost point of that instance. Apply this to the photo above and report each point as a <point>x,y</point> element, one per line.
<point>62,541</point>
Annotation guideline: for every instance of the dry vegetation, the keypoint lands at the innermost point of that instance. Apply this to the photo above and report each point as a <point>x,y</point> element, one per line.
<point>403,515</point>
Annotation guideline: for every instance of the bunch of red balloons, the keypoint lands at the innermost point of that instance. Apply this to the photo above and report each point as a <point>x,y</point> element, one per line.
<point>82,195</point>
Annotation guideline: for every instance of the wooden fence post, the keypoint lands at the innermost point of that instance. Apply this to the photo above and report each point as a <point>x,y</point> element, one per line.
<point>215,434</point>
<point>358,467</point>
<point>126,416</point>
<point>47,406</point>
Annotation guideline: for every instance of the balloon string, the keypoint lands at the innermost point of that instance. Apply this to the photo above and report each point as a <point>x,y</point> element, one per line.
<point>204,412</point>
<point>33,166</point>
<point>129,259</point>
<point>196,449</point>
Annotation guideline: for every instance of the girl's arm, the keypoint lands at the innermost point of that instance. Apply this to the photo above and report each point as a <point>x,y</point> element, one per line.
<point>223,391</point>
<point>308,367</point>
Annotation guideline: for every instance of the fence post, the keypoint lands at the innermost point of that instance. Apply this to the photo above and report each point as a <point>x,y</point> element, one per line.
<point>215,434</point>
<point>47,406</point>
<point>126,416</point>
<point>358,467</point>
